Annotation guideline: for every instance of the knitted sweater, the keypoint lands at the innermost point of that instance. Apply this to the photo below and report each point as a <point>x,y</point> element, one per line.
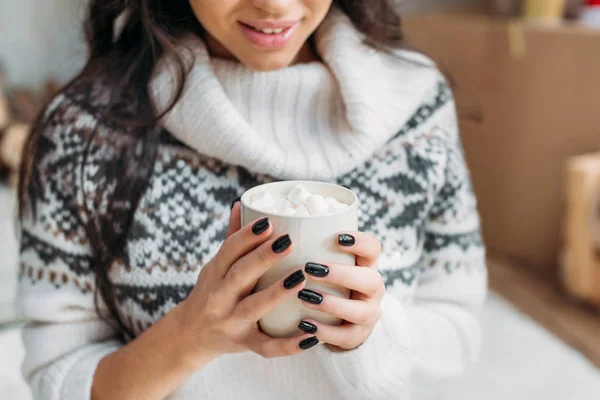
<point>398,148</point>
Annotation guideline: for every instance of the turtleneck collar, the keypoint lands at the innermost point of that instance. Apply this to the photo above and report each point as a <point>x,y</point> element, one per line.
<point>307,121</point>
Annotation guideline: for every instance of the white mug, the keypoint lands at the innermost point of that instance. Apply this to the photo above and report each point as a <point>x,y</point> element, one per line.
<point>313,240</point>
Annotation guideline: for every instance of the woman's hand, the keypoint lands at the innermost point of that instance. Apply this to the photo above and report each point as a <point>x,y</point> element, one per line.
<point>363,309</point>
<point>220,315</point>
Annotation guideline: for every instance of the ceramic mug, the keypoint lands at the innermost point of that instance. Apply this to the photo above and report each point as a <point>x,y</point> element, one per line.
<point>313,240</point>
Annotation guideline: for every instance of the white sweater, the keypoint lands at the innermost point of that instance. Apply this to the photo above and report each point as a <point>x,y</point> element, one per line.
<point>383,126</point>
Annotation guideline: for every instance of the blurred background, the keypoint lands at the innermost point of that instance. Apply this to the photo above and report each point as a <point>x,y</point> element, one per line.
<point>526,76</point>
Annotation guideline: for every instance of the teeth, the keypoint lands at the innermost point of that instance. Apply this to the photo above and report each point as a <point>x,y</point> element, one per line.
<point>270,31</point>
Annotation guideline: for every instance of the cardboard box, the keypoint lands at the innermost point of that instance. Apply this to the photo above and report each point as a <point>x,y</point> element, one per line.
<point>537,89</point>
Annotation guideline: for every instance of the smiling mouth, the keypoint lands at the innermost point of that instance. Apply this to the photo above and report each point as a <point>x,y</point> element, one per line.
<point>268,31</point>
<point>269,28</point>
<point>270,35</point>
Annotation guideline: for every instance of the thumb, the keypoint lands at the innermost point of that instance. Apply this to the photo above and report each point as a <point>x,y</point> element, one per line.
<point>235,219</point>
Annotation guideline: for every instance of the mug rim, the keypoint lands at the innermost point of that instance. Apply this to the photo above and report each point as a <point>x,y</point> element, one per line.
<point>247,193</point>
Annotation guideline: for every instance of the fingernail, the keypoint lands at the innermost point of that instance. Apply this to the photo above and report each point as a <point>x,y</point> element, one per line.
<point>260,226</point>
<point>317,270</point>
<point>294,280</point>
<point>282,244</point>
<point>235,201</point>
<point>346,240</point>
<point>307,327</point>
<point>310,296</point>
<point>308,343</point>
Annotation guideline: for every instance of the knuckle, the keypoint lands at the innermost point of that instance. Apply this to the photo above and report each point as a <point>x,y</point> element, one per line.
<point>380,292</point>
<point>264,353</point>
<point>365,316</point>
<point>241,342</point>
<point>214,313</point>
<point>292,348</point>
<point>235,275</point>
<point>244,311</point>
<point>213,303</point>
<point>346,343</point>
<point>264,255</point>
<point>277,293</point>
<point>376,315</point>
<point>378,285</point>
<point>364,319</point>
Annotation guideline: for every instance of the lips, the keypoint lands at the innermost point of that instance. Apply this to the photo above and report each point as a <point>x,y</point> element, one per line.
<point>258,25</point>
<point>269,34</point>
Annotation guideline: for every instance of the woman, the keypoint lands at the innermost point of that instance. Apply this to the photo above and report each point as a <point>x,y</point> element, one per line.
<point>136,278</point>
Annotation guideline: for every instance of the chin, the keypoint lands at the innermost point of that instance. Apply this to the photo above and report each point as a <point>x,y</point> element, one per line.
<point>266,63</point>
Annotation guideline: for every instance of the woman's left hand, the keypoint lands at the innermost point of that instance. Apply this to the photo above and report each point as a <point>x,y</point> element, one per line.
<point>363,309</point>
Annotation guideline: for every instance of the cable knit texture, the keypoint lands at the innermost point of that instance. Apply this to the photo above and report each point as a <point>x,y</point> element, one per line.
<point>372,121</point>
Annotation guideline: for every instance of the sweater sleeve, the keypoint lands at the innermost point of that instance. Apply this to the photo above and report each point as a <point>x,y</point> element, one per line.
<point>64,337</point>
<point>429,332</point>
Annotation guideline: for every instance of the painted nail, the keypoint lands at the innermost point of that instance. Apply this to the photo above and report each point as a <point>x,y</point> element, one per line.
<point>307,327</point>
<point>310,296</point>
<point>282,244</point>
<point>317,270</point>
<point>294,280</point>
<point>260,226</point>
<point>235,201</point>
<point>308,343</point>
<point>346,240</point>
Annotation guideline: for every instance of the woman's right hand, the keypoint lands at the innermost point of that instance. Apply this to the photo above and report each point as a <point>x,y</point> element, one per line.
<point>221,314</point>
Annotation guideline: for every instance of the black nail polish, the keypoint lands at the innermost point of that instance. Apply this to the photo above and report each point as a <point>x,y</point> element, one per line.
<point>317,270</point>
<point>307,327</point>
<point>235,201</point>
<point>294,280</point>
<point>308,343</point>
<point>260,226</point>
<point>282,244</point>
<point>310,296</point>
<point>346,240</point>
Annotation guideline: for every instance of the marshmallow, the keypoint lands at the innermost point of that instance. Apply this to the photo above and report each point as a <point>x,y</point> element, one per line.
<point>316,205</point>
<point>302,211</point>
<point>262,201</point>
<point>331,201</point>
<point>335,205</point>
<point>298,202</point>
<point>298,195</point>
<point>285,207</point>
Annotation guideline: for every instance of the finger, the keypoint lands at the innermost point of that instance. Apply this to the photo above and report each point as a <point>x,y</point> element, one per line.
<point>241,243</point>
<point>365,246</point>
<point>269,347</point>
<point>243,274</point>
<point>345,336</point>
<point>259,304</point>
<point>235,219</point>
<point>364,280</point>
<point>358,312</point>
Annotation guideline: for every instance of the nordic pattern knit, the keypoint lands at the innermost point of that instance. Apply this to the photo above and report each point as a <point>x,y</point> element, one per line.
<point>415,195</point>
